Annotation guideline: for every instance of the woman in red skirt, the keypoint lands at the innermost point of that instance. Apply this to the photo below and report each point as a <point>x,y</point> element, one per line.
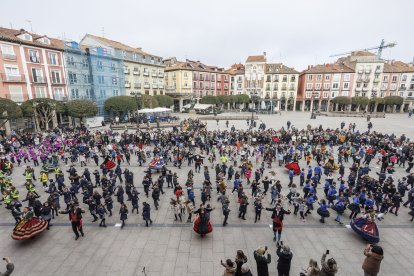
<point>202,223</point>
<point>29,226</point>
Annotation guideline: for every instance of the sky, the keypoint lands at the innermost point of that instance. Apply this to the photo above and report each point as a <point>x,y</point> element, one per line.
<point>297,33</point>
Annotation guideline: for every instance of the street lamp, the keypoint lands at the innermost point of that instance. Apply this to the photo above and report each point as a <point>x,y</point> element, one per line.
<point>137,96</point>
<point>253,100</point>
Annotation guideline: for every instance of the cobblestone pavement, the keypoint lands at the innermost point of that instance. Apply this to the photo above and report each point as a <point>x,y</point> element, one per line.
<point>172,248</point>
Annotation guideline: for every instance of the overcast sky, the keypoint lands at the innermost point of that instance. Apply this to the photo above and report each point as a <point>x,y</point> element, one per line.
<point>222,32</point>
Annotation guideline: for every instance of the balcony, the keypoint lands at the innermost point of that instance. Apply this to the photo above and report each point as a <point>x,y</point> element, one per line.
<point>268,80</point>
<point>154,86</point>
<point>239,81</point>
<point>284,88</point>
<point>366,79</point>
<point>360,71</point>
<point>358,89</point>
<point>58,82</point>
<point>137,85</point>
<point>136,72</point>
<point>375,89</point>
<point>284,80</point>
<point>365,89</point>
<point>402,88</point>
<point>368,71</point>
<point>154,75</point>
<point>325,88</point>
<point>9,56</point>
<point>127,85</point>
<point>160,75</point>
<point>146,73</point>
<point>377,70</point>
<point>146,86</point>
<point>201,78</point>
<point>161,86</point>
<point>38,80</point>
<point>359,80</point>
<point>126,71</point>
<point>13,78</point>
<point>267,88</point>
<point>376,80</point>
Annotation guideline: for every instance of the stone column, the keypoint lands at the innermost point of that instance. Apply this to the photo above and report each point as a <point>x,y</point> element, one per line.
<point>327,105</point>
<point>311,106</point>
<point>294,104</point>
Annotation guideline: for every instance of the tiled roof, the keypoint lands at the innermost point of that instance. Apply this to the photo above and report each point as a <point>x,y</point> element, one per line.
<point>259,58</point>
<point>11,36</point>
<point>279,68</point>
<point>362,54</point>
<point>189,65</point>
<point>404,67</point>
<point>390,68</point>
<point>328,68</point>
<point>236,69</point>
<point>119,45</point>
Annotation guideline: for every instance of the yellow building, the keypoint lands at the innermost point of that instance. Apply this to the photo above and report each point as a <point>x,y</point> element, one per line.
<point>178,82</point>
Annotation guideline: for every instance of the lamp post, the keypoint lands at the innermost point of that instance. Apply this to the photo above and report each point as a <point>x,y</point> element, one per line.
<point>137,96</point>
<point>253,100</point>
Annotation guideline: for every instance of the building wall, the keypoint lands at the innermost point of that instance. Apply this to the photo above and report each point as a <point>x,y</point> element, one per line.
<point>14,84</point>
<point>254,78</point>
<point>143,78</point>
<point>367,70</point>
<point>237,84</point>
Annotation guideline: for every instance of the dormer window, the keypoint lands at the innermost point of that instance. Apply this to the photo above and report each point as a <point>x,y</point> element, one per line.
<point>25,36</point>
<point>45,40</point>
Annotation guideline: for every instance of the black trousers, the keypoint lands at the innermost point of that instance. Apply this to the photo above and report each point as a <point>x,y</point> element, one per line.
<point>76,225</point>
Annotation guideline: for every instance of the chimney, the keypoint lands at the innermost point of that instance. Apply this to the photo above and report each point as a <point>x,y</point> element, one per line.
<point>309,67</point>
<point>264,53</point>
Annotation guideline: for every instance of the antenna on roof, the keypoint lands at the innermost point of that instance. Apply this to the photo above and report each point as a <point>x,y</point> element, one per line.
<point>31,26</point>
<point>103,31</point>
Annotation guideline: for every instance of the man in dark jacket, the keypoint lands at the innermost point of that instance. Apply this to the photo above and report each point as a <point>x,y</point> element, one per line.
<point>9,267</point>
<point>329,267</point>
<point>75,217</point>
<point>285,258</point>
<point>262,261</point>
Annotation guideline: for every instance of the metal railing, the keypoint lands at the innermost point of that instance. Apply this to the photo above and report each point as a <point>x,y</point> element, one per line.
<point>13,78</point>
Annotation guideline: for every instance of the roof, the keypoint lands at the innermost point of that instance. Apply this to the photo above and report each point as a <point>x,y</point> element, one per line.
<point>390,68</point>
<point>362,54</point>
<point>119,45</point>
<point>193,66</point>
<point>236,69</point>
<point>259,58</point>
<point>404,67</point>
<point>11,35</point>
<point>328,68</point>
<point>279,68</point>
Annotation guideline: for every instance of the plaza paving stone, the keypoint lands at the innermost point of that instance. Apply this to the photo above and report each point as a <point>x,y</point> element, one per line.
<point>172,248</point>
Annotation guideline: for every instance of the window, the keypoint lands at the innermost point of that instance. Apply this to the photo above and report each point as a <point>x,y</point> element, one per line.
<point>378,67</point>
<point>114,81</point>
<point>101,79</point>
<point>72,78</point>
<point>310,77</point>
<point>347,77</point>
<point>284,78</point>
<point>327,77</point>
<point>74,93</point>
<point>102,93</point>
<point>53,59</point>
<point>309,86</point>
<point>335,85</point>
<point>385,79</point>
<point>34,56</point>
<point>325,94</point>
<point>404,78</point>
<point>401,94</point>
<point>393,86</point>
<point>292,78</point>
<point>318,86</point>
<point>11,71</point>
<point>333,94</point>
<point>308,95</point>
<point>40,92</point>
<point>384,86</point>
<point>319,77</point>
<point>58,93</point>
<point>99,65</point>
<point>7,50</point>
<point>326,86</point>
<point>346,85</point>
<point>37,75</point>
<point>345,93</point>
<point>16,93</point>
<point>70,61</point>
<point>115,92</point>
<point>394,78</point>
<point>56,77</point>
<point>276,78</point>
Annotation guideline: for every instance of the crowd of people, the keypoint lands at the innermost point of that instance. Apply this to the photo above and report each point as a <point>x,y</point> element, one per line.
<point>59,179</point>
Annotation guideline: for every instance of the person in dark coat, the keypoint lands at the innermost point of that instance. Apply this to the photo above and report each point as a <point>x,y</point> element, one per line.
<point>278,214</point>
<point>329,267</point>
<point>285,258</point>
<point>123,214</point>
<point>75,217</point>
<point>262,261</point>
<point>146,213</point>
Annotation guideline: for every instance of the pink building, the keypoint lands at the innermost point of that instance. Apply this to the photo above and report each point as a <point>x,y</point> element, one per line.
<point>31,66</point>
<point>319,84</point>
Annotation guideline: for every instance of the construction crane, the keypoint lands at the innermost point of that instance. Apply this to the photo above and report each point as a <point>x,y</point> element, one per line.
<point>379,52</point>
